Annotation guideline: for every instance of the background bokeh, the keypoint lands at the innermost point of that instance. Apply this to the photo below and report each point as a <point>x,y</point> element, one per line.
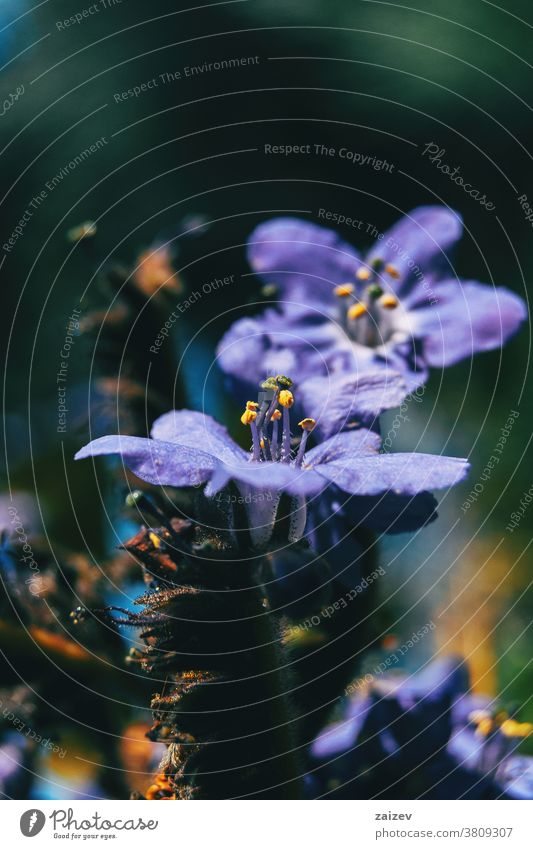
<point>376,77</point>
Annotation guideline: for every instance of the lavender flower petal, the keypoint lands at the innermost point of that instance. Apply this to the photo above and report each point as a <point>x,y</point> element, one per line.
<point>419,242</point>
<point>467,317</point>
<point>198,430</point>
<point>302,259</point>
<point>350,446</point>
<point>405,474</point>
<point>159,463</point>
<point>342,736</point>
<point>253,348</point>
<point>276,477</point>
<point>341,400</point>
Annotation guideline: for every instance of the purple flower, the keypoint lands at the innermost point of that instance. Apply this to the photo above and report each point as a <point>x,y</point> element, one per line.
<point>402,305</point>
<point>13,764</point>
<point>428,723</point>
<point>339,400</point>
<point>190,449</point>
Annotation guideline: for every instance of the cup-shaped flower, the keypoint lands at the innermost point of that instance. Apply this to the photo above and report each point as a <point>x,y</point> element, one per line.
<point>190,449</point>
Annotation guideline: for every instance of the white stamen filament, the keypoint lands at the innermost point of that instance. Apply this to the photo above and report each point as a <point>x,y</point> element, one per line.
<point>273,406</point>
<point>301,449</point>
<point>256,455</point>
<point>275,440</point>
<point>286,437</point>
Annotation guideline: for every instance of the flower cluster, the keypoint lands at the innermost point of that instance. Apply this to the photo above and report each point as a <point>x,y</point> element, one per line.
<point>346,338</point>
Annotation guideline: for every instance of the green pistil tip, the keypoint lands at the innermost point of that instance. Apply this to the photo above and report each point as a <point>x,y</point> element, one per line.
<point>377,264</point>
<point>374,291</point>
<point>280,381</point>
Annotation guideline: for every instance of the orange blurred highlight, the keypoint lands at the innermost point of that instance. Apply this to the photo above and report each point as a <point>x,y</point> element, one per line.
<point>154,271</point>
<point>479,590</point>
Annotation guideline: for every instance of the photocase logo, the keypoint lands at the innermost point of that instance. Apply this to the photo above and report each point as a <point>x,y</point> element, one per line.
<point>32,822</point>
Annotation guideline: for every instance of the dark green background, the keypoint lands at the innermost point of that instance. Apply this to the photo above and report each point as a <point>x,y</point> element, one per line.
<point>382,75</point>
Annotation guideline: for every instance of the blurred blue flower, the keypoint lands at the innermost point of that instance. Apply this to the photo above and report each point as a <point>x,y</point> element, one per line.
<point>14,774</point>
<point>423,737</point>
<point>401,306</point>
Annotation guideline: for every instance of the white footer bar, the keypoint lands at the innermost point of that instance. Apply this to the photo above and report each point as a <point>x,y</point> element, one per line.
<point>269,825</point>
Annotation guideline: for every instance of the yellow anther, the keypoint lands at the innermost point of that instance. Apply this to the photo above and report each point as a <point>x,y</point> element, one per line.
<point>388,302</point>
<point>307,424</point>
<point>363,273</point>
<point>484,727</point>
<point>276,415</point>
<point>156,542</point>
<point>286,398</point>
<point>344,290</point>
<point>248,417</point>
<point>486,724</point>
<point>512,728</point>
<point>356,311</point>
<point>262,444</point>
<point>392,271</point>
<point>252,405</point>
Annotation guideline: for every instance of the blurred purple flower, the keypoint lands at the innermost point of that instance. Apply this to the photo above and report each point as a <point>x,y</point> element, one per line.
<point>426,731</point>
<point>14,774</point>
<point>401,306</point>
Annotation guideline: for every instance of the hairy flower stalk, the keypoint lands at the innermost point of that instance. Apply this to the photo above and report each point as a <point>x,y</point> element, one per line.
<point>215,650</point>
